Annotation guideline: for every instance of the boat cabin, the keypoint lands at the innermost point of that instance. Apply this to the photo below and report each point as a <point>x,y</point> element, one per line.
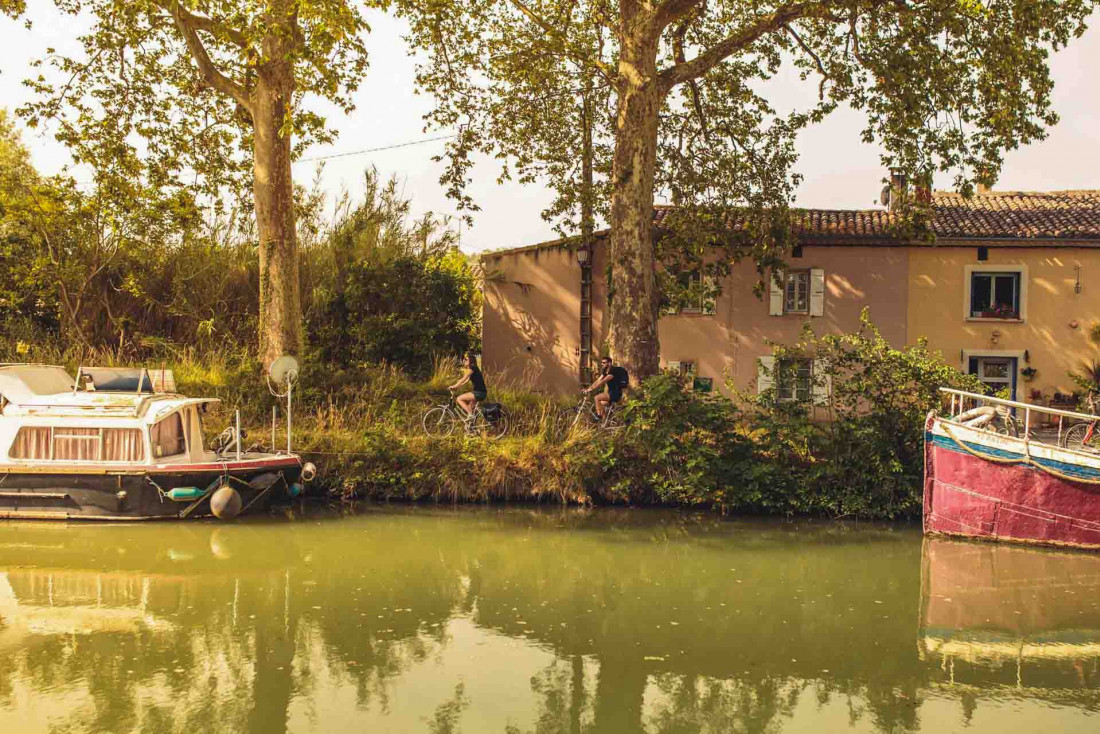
<point>106,416</point>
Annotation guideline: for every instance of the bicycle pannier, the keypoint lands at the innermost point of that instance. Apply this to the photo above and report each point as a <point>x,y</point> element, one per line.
<point>491,411</point>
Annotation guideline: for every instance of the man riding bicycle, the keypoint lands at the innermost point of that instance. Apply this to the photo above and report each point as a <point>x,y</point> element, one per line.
<point>615,378</point>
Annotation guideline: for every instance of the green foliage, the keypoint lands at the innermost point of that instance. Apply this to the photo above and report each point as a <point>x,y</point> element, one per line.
<point>859,452</point>
<point>1087,376</point>
<point>155,281</point>
<point>863,443</point>
<point>164,92</point>
<point>403,311</point>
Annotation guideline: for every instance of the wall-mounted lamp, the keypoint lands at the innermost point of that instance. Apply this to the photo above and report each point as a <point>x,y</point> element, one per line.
<point>1027,356</point>
<point>583,255</point>
<point>1077,274</point>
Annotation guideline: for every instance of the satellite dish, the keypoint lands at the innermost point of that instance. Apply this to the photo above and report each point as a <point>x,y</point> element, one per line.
<point>884,197</point>
<point>283,370</point>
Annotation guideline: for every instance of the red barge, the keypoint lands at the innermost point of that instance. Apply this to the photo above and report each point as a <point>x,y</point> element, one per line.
<point>1003,470</point>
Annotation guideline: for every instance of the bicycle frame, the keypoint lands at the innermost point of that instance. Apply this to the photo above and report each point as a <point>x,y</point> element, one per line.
<point>587,405</point>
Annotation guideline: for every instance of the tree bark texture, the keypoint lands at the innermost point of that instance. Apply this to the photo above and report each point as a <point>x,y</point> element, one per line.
<point>632,310</point>
<point>280,323</point>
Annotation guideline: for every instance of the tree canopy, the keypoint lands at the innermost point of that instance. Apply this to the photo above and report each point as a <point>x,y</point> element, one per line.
<point>681,89</point>
<point>206,95</point>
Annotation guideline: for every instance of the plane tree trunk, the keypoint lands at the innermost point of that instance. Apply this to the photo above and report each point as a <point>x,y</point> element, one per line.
<point>633,306</point>
<point>280,316</point>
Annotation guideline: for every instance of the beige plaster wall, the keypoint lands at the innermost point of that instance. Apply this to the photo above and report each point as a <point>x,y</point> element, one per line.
<point>532,314</point>
<point>855,277</point>
<point>938,309</point>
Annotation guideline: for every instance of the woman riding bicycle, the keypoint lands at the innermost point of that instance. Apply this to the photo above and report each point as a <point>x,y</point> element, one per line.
<point>478,393</point>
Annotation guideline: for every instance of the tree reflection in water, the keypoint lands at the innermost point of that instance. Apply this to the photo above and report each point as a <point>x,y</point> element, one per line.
<point>546,622</point>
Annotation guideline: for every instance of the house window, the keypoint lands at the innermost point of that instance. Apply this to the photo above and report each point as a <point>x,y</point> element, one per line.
<point>998,374</point>
<point>682,367</point>
<point>797,292</point>
<point>702,295</point>
<point>794,379</point>
<point>994,295</point>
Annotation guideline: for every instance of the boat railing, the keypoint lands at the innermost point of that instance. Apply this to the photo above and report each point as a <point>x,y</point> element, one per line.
<point>959,400</point>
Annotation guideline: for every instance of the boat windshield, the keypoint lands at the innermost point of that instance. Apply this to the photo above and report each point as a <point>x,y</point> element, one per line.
<point>19,382</point>
<point>116,379</point>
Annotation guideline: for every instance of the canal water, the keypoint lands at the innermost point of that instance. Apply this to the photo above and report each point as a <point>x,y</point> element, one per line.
<point>514,621</point>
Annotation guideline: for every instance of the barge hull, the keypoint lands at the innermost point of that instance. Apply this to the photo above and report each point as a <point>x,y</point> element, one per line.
<point>996,487</point>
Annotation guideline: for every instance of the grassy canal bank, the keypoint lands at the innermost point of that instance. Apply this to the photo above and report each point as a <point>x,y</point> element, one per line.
<point>755,454</point>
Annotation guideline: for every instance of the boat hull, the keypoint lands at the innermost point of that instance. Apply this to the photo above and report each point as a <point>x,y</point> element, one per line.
<point>142,493</point>
<point>982,485</point>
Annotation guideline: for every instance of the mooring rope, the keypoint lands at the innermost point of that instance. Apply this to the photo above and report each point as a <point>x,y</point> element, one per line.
<point>1027,460</point>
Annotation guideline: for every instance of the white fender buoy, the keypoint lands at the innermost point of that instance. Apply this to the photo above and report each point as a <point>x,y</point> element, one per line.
<point>977,417</point>
<point>226,503</point>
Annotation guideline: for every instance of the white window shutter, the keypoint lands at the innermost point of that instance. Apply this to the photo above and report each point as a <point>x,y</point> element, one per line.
<point>775,303</point>
<point>765,374</point>
<point>822,382</point>
<point>817,292</point>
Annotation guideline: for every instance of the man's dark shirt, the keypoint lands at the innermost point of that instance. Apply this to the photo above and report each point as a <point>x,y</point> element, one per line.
<point>615,386</point>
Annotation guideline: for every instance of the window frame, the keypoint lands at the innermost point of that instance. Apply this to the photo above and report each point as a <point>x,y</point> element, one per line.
<point>184,436</point>
<point>792,395</point>
<point>1020,274</point>
<point>804,275</point>
<point>708,295</point>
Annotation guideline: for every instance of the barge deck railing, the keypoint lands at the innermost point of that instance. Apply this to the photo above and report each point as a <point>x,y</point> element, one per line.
<point>959,399</point>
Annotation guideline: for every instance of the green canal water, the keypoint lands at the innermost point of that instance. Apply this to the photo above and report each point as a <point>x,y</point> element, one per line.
<point>513,620</point>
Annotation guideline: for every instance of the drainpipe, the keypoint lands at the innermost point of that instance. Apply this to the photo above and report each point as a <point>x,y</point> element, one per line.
<point>588,226</point>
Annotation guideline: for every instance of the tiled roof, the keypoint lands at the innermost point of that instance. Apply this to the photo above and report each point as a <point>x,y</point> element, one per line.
<point>1050,215</point>
<point>1057,215</point>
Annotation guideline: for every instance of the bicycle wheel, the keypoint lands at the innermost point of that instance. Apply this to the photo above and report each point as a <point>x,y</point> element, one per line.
<point>613,422</point>
<point>491,429</point>
<point>565,422</point>
<point>438,422</point>
<point>1074,438</point>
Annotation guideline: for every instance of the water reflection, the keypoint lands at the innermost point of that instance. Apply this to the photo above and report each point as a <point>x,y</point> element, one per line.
<point>516,621</point>
<point>1006,616</point>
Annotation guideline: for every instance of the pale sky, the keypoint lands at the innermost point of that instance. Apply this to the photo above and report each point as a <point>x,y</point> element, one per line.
<point>840,171</point>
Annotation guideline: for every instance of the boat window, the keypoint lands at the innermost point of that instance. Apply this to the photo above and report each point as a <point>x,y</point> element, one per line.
<point>168,437</point>
<point>31,443</point>
<point>123,444</point>
<point>76,444</point>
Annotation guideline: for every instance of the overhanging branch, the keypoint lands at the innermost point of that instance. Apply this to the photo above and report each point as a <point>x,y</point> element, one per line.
<point>770,23</point>
<point>671,11</point>
<point>204,23</point>
<point>214,78</point>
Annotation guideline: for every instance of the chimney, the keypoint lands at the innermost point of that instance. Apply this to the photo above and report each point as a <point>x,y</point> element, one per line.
<point>899,184</point>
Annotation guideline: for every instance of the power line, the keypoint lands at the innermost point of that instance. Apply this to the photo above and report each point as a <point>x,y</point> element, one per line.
<point>379,149</point>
